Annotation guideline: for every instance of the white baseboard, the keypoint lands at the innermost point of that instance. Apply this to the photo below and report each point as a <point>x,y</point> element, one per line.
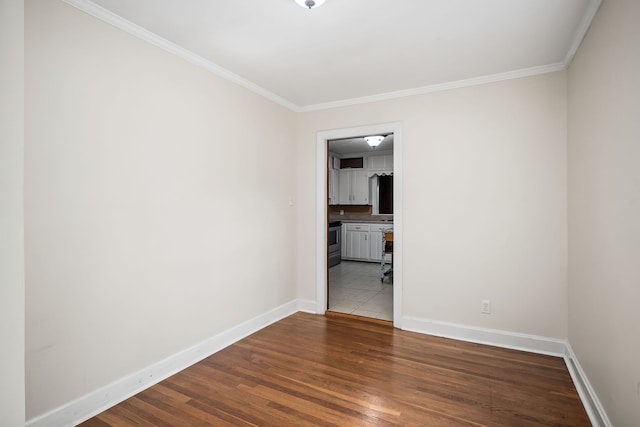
<point>513,340</point>
<point>592,405</point>
<point>516,341</point>
<point>307,306</point>
<point>99,400</point>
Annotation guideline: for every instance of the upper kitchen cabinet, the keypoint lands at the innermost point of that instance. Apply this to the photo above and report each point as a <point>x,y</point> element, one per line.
<point>354,187</point>
<point>334,180</point>
<point>381,162</point>
<point>334,187</point>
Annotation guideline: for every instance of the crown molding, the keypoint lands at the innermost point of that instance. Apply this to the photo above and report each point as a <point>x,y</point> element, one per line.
<point>581,32</point>
<point>154,39</point>
<point>117,21</point>
<point>492,78</point>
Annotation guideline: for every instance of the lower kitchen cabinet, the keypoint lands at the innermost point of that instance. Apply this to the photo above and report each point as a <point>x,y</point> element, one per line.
<point>357,241</point>
<point>363,242</point>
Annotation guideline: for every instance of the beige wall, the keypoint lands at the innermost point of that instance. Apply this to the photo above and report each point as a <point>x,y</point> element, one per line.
<point>12,399</point>
<point>156,206</point>
<point>604,208</point>
<point>484,201</point>
<point>156,202</point>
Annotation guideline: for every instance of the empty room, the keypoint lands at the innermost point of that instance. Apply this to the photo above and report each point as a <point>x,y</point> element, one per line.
<point>290,212</point>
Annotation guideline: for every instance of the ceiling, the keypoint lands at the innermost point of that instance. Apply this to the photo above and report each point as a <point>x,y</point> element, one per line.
<point>352,51</point>
<point>359,145</point>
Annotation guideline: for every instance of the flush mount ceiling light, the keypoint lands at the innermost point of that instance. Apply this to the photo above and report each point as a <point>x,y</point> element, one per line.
<point>374,140</point>
<point>310,4</point>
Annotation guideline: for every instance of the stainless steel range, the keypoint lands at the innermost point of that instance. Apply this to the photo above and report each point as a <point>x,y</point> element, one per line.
<point>335,243</point>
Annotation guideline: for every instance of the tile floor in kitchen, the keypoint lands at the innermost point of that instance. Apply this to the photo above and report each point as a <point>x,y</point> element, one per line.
<point>355,288</point>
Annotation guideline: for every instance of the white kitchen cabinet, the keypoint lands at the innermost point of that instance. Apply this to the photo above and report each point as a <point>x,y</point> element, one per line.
<point>334,187</point>
<point>334,162</point>
<point>354,187</point>
<point>360,184</point>
<point>380,162</point>
<point>345,187</point>
<point>357,241</point>
<point>375,239</point>
<point>363,242</point>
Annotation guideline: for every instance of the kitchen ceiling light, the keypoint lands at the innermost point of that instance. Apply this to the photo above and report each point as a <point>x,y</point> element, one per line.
<point>310,4</point>
<point>374,140</point>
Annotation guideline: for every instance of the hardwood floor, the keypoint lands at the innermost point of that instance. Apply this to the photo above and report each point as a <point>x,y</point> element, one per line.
<point>309,370</point>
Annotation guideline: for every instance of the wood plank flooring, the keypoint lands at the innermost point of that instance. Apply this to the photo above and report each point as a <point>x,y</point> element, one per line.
<point>309,370</point>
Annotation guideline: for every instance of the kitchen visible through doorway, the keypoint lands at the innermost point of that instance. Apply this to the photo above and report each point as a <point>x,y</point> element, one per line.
<point>360,206</point>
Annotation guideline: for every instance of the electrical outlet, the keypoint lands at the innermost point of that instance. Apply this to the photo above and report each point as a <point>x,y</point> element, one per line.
<point>486,306</point>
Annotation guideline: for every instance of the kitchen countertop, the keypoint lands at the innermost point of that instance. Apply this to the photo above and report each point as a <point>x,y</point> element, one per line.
<point>349,221</point>
<point>363,219</point>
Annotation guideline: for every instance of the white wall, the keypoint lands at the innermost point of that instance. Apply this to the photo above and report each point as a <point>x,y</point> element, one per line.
<point>12,399</point>
<point>484,201</point>
<point>156,204</point>
<point>604,208</point>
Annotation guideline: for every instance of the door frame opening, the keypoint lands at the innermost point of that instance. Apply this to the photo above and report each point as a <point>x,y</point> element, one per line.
<point>322,210</point>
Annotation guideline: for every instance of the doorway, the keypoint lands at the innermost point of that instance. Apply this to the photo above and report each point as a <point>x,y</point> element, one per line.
<point>323,212</point>
<point>360,208</point>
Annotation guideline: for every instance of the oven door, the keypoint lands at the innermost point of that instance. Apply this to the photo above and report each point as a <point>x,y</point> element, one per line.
<point>335,245</point>
<point>334,240</point>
